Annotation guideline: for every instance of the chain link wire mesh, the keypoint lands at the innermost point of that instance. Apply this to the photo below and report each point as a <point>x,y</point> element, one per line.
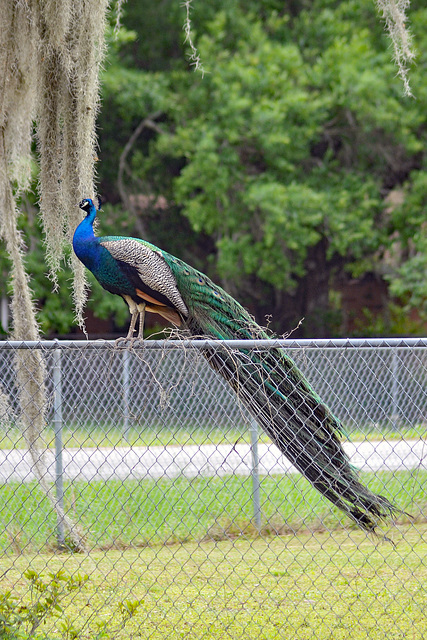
<point>194,525</point>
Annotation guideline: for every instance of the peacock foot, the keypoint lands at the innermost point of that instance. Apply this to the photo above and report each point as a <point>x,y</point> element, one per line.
<point>127,342</point>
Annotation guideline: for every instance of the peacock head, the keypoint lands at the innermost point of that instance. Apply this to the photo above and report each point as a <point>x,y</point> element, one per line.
<point>87,205</point>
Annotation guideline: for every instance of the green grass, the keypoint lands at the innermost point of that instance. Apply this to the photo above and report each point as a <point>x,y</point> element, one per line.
<point>189,551</point>
<point>112,437</point>
<point>373,432</point>
<point>322,586</point>
<point>121,514</point>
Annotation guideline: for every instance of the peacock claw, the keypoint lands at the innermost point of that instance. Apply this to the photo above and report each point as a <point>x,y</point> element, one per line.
<point>126,342</point>
<point>120,340</point>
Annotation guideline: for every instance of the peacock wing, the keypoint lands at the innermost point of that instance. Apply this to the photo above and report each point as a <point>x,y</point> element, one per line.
<point>148,270</point>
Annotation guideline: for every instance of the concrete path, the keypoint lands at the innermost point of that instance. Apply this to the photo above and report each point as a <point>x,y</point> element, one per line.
<point>205,460</point>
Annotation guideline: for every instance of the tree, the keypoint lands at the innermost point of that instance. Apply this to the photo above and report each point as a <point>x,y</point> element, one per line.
<point>281,156</point>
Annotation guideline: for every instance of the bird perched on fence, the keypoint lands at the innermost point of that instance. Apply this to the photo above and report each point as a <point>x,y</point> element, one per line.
<point>268,381</point>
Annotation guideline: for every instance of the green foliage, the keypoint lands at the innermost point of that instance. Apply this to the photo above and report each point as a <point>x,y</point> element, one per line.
<point>253,171</point>
<point>20,619</point>
<point>409,250</point>
<point>396,321</point>
<point>283,152</point>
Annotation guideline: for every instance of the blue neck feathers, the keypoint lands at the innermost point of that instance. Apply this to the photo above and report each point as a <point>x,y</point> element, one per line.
<point>84,240</point>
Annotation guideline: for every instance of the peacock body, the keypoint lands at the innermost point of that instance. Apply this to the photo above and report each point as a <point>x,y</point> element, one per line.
<point>269,383</point>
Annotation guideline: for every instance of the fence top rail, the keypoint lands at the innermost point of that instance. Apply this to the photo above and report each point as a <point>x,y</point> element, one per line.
<point>324,343</point>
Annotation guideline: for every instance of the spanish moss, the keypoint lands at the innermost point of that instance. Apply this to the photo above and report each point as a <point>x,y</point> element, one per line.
<point>50,55</point>
<point>394,14</point>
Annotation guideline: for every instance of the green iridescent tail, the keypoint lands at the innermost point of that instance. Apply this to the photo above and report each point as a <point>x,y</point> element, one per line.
<point>301,426</point>
<point>279,397</point>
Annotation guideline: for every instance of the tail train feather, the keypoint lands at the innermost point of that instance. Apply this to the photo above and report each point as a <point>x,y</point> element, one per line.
<point>302,427</point>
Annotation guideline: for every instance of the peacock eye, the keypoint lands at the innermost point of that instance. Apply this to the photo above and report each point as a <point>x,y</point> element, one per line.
<point>200,281</point>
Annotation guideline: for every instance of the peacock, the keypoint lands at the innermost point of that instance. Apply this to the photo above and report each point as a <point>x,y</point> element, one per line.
<point>267,381</point>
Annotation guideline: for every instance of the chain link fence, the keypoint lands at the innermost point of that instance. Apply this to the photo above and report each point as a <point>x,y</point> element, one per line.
<point>189,522</point>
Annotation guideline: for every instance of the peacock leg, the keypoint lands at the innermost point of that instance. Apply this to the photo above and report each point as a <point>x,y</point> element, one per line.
<point>132,325</point>
<point>141,309</point>
<point>131,329</point>
<point>133,309</point>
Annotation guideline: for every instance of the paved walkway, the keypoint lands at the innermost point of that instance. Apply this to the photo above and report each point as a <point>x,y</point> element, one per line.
<point>205,460</point>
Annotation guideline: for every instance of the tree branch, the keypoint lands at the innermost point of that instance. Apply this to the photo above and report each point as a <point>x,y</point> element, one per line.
<point>148,122</point>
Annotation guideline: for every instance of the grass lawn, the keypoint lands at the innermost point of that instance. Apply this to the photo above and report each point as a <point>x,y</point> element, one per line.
<point>322,586</point>
<point>188,550</point>
<point>78,437</point>
<point>113,437</point>
<point>137,513</point>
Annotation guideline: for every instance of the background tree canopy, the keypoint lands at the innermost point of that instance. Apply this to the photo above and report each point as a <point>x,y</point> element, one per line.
<point>292,164</point>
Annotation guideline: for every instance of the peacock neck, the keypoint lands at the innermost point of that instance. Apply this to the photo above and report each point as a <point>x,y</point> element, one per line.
<point>85,229</point>
<point>84,240</point>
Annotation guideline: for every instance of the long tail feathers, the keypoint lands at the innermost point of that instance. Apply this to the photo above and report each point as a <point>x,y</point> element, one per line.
<point>301,425</point>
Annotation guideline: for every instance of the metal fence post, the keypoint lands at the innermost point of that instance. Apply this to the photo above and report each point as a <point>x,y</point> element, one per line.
<point>255,474</point>
<point>57,425</point>
<point>125,382</point>
<point>394,388</point>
